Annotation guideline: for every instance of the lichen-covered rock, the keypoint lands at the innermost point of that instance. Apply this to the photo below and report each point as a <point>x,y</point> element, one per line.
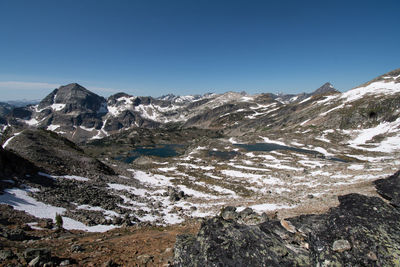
<point>229,213</point>
<point>223,242</point>
<point>341,245</point>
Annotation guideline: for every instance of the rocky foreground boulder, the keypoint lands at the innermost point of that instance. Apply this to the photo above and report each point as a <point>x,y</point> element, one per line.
<point>361,231</point>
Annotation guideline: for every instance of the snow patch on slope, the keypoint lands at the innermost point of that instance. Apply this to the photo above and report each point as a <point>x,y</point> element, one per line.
<point>9,139</point>
<point>123,103</point>
<point>376,88</point>
<point>57,107</point>
<point>53,127</point>
<point>20,200</point>
<point>388,145</point>
<point>32,122</point>
<point>267,140</point>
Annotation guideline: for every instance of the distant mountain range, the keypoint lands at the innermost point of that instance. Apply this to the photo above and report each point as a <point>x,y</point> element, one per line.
<point>81,115</point>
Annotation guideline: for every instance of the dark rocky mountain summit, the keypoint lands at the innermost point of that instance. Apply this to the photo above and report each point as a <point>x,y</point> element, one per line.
<point>75,97</point>
<point>361,231</point>
<point>72,105</point>
<point>68,109</point>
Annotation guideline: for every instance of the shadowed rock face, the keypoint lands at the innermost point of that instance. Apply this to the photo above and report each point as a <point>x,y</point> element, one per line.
<point>390,189</point>
<point>13,165</point>
<point>362,230</point>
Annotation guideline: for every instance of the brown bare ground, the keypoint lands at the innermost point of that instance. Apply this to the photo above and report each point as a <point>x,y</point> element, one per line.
<point>128,246</point>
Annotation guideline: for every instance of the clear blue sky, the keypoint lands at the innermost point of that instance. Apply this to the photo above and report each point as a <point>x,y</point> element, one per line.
<point>188,47</point>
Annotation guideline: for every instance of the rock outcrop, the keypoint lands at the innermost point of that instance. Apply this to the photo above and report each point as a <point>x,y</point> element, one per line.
<point>361,231</point>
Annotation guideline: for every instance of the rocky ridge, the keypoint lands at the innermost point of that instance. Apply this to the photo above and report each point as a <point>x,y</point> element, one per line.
<point>81,115</point>
<point>55,154</point>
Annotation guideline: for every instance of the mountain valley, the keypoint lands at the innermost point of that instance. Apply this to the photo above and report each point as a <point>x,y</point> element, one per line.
<point>118,165</point>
